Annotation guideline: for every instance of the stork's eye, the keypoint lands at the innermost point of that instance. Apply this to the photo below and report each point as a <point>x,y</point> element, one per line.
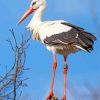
<point>33,3</point>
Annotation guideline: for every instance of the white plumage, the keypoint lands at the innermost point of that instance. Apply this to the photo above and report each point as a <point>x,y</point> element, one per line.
<point>58,36</point>
<point>50,28</point>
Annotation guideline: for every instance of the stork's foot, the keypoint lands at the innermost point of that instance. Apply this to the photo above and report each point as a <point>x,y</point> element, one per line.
<point>54,98</point>
<point>64,98</point>
<point>50,96</point>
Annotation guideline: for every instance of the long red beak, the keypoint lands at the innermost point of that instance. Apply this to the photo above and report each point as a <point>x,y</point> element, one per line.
<point>30,10</point>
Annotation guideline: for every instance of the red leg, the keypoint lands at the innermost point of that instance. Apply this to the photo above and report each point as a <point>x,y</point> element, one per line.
<point>51,94</point>
<point>65,75</point>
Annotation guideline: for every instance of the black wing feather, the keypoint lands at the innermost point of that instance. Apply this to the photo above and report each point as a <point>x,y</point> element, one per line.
<point>76,36</point>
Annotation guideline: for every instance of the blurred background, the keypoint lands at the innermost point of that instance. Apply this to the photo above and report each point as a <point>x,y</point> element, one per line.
<point>84,68</point>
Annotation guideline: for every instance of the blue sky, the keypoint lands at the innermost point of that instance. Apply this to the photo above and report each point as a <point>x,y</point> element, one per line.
<point>83,67</point>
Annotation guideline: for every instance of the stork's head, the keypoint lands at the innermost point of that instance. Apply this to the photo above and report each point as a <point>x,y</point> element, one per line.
<point>35,4</point>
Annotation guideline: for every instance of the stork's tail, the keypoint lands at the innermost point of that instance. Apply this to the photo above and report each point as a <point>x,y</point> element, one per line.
<point>86,40</point>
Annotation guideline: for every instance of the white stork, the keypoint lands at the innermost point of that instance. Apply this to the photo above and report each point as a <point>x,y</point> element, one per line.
<point>58,36</point>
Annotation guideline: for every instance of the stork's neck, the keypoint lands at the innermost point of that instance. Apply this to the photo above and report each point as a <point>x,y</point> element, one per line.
<point>36,21</point>
<point>38,15</point>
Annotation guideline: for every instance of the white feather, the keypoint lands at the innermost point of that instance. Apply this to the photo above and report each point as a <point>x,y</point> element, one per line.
<point>80,48</point>
<point>40,30</point>
<point>50,28</point>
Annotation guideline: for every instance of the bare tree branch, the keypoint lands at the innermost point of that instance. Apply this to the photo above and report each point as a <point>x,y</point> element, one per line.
<point>12,79</point>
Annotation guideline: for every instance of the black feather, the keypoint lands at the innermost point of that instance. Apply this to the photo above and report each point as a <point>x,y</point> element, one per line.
<point>76,36</point>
